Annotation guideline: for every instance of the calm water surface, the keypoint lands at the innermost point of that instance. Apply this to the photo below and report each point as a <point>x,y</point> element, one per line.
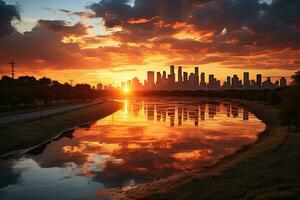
<point>146,140</point>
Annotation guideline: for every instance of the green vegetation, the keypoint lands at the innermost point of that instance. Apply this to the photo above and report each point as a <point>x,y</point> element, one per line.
<point>27,92</point>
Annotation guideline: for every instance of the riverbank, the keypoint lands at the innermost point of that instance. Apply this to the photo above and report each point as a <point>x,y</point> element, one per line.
<point>21,137</point>
<point>36,115</point>
<point>266,169</point>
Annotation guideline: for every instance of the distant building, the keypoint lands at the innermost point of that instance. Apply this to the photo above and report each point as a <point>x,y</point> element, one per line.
<point>129,83</point>
<point>150,79</point>
<point>164,76</point>
<point>192,80</point>
<point>197,76</point>
<point>171,77</point>
<point>229,80</point>
<point>235,81</point>
<point>283,82</point>
<point>158,78</point>
<point>185,77</point>
<point>268,83</point>
<point>258,80</point>
<point>179,74</point>
<point>136,83</point>
<point>172,69</point>
<point>227,83</point>
<point>246,79</point>
<point>202,82</point>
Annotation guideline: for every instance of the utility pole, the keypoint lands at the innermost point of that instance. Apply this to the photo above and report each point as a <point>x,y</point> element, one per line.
<point>12,64</point>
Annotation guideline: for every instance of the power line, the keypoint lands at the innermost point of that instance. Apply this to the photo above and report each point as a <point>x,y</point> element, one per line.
<point>12,64</point>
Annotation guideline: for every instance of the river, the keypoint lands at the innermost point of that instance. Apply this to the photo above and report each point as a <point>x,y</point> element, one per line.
<point>147,140</point>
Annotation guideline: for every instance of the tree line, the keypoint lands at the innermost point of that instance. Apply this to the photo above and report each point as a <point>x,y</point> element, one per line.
<point>28,92</point>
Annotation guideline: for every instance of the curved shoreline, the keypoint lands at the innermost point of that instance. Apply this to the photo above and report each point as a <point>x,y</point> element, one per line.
<point>204,184</point>
<point>50,128</point>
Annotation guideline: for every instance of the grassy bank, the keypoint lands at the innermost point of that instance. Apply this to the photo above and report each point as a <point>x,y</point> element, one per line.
<point>266,169</point>
<point>17,137</point>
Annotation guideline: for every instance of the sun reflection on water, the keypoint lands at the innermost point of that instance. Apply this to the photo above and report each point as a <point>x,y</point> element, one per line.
<point>146,140</point>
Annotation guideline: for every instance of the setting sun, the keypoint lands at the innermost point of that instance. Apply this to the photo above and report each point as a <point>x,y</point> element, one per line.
<point>126,90</point>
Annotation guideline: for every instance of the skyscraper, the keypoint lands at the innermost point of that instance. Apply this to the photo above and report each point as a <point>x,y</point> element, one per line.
<point>203,79</point>
<point>179,74</point>
<point>172,69</point>
<point>185,77</point>
<point>211,79</point>
<point>129,83</point>
<point>258,80</point>
<point>164,76</point>
<point>158,78</point>
<point>150,78</point>
<point>171,77</point>
<point>228,81</point>
<point>136,83</point>
<point>235,81</point>
<point>197,76</point>
<point>246,79</point>
<point>192,80</point>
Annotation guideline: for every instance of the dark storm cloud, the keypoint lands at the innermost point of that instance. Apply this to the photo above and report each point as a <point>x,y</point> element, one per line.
<point>114,12</point>
<point>247,21</point>
<point>184,32</point>
<point>274,25</point>
<point>7,14</point>
<point>62,27</point>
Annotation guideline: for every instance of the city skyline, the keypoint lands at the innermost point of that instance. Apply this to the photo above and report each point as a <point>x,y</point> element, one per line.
<point>197,80</point>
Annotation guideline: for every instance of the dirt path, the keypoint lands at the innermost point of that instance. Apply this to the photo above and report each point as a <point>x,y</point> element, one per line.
<point>25,117</point>
<point>21,137</point>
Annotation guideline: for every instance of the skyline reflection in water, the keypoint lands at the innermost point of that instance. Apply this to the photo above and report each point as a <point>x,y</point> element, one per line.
<point>146,140</point>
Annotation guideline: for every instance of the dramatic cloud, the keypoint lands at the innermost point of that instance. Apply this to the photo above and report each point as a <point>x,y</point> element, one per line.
<point>123,34</point>
<point>7,14</point>
<point>63,28</point>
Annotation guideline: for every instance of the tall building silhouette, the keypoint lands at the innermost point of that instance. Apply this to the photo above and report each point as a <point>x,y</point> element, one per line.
<point>158,78</point>
<point>192,81</point>
<point>246,79</point>
<point>171,77</point>
<point>197,76</point>
<point>164,76</point>
<point>259,80</point>
<point>211,78</point>
<point>172,69</point>
<point>228,80</point>
<point>202,80</point>
<point>185,77</point>
<point>179,74</point>
<point>150,78</point>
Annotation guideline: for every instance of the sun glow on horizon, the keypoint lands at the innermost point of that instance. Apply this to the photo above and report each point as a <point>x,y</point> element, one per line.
<point>126,90</point>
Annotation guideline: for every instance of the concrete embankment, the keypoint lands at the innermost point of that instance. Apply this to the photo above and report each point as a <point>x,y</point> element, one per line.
<point>26,133</point>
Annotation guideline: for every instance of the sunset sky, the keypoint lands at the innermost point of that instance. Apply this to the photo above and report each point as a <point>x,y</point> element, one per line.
<point>110,41</point>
